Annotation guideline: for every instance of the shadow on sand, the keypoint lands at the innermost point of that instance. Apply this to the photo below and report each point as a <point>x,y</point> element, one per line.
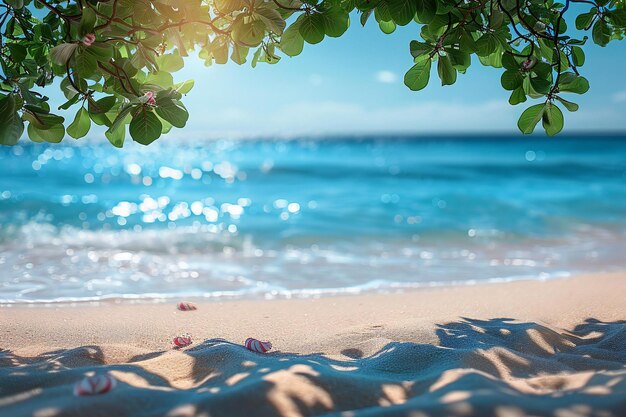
<point>498,367</point>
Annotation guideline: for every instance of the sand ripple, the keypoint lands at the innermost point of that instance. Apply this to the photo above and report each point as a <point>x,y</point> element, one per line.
<point>498,367</point>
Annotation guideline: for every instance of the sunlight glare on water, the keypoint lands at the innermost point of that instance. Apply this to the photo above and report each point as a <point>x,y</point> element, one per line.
<point>310,217</point>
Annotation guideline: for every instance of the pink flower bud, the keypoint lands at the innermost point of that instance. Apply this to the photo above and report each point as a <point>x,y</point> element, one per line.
<point>89,39</point>
<point>528,64</point>
<point>150,98</point>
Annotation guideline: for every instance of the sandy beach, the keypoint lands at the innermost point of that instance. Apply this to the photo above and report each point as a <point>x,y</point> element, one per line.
<point>553,348</point>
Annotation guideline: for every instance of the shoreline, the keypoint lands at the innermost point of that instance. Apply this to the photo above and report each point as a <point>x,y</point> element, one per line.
<point>513,349</point>
<point>544,300</point>
<point>299,294</point>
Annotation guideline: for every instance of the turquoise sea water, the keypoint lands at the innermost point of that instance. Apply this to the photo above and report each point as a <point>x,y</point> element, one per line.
<point>305,217</point>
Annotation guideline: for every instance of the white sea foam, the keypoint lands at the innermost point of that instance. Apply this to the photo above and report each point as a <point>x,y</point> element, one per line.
<point>46,264</point>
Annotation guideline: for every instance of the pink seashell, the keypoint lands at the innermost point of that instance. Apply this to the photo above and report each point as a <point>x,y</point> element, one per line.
<point>186,306</point>
<point>257,346</point>
<point>150,96</point>
<point>94,385</point>
<point>182,340</point>
<point>89,39</point>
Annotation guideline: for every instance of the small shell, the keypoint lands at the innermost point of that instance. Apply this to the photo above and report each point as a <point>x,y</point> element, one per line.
<point>94,385</point>
<point>182,340</point>
<point>186,306</point>
<point>257,346</point>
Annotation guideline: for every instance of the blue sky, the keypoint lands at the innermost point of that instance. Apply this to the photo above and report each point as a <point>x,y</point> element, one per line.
<point>354,85</point>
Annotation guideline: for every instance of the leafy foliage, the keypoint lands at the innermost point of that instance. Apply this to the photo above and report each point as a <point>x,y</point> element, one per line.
<point>115,58</point>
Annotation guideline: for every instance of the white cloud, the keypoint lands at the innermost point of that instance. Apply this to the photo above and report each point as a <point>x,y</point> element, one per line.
<point>386,77</point>
<point>619,97</point>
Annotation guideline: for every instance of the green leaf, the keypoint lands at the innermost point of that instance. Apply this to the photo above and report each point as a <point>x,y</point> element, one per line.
<point>102,105</point>
<point>101,119</point>
<point>578,41</point>
<point>101,51</point>
<point>173,112</point>
<point>167,126</point>
<point>45,109</point>
<point>145,127</point>
<point>530,117</point>
<point>542,70</point>
<point>467,42</point>
<point>258,56</point>
<point>540,85</point>
<point>387,27</point>
<point>426,10</point>
<point>578,56</point>
<point>438,25</point>
<point>87,21</point>
<point>11,125</point>
<point>219,49</point>
<point>248,33</point>
<point>509,62</point>
<point>618,17</point>
<point>61,54</point>
<point>517,96</point>
<point>311,28</point>
<point>418,76</point>
<point>568,104</point>
<point>161,78</point>
<point>496,18</point>
<point>446,71</point>
<point>18,52</point>
<point>43,121</point>
<point>460,60</point>
<point>546,48</point>
<point>364,17</point>
<point>292,41</point>
<point>511,80</point>
<point>121,119</point>
<point>601,33</point>
<point>228,6</point>
<point>185,87</point>
<point>239,54</point>
<point>271,18</point>
<point>552,119</point>
<point>54,134</point>
<point>335,21</point>
<point>116,136</point>
<point>85,63</point>
<point>420,48</point>
<point>171,62</point>
<point>573,84</point>
<point>381,12</point>
<point>402,11</point>
<point>486,45</point>
<point>68,89</point>
<point>583,21</point>
<point>69,103</point>
<point>81,124</point>
<point>15,4</point>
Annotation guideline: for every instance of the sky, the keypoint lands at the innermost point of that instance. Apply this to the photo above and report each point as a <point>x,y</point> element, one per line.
<point>354,85</point>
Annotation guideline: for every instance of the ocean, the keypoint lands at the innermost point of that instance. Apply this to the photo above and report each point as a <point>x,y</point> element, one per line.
<point>265,219</point>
